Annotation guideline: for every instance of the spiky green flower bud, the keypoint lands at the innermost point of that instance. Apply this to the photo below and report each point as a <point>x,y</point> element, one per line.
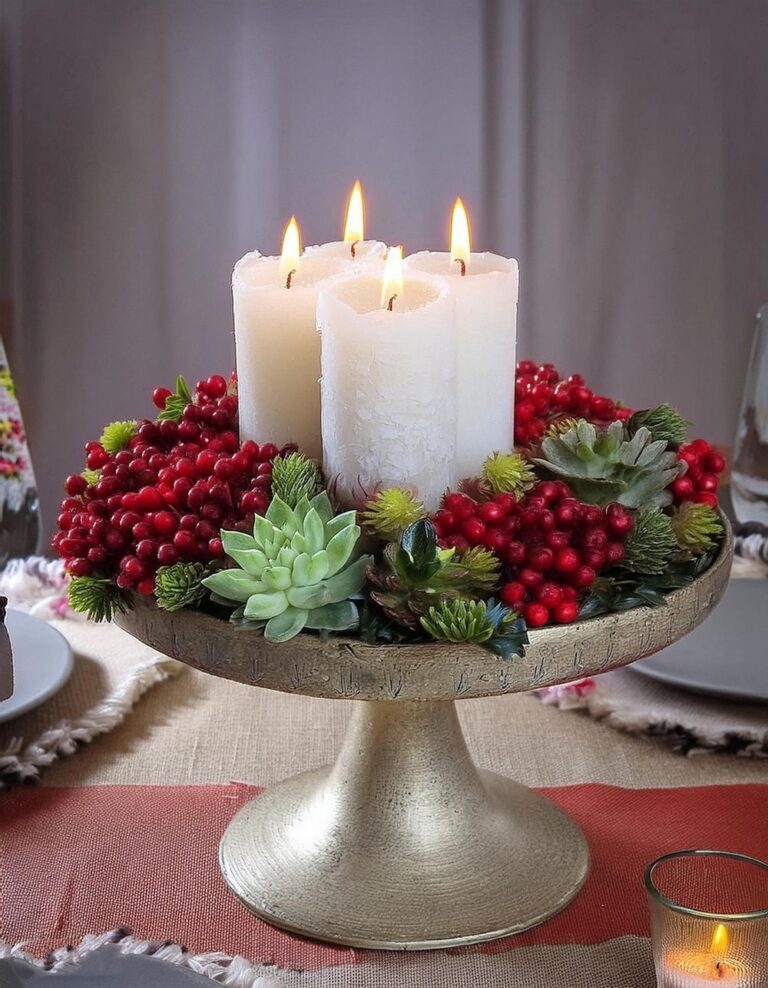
<point>651,543</point>
<point>391,511</point>
<point>483,568</point>
<point>96,597</point>
<point>458,621</point>
<point>508,473</point>
<point>294,477</point>
<point>180,585</point>
<point>176,403</point>
<point>697,528</point>
<point>117,435</point>
<point>663,422</point>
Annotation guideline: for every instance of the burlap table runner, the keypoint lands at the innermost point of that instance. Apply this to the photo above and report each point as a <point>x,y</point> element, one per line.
<point>164,773</point>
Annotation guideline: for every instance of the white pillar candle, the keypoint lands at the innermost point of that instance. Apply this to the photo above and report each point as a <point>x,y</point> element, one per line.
<point>388,378</point>
<point>354,246</point>
<point>486,332</point>
<point>277,347</point>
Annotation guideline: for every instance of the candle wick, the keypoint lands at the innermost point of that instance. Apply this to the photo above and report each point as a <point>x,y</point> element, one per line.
<point>353,245</point>
<point>462,264</point>
<point>290,278</point>
<point>390,303</point>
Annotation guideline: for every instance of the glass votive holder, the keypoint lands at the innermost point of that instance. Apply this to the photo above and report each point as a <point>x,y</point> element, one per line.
<point>709,919</point>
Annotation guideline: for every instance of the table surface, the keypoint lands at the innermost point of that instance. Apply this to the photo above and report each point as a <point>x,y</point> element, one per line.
<point>196,730</point>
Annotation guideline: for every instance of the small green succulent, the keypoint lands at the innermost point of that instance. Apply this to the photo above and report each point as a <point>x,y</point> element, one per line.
<point>697,528</point>
<point>296,571</point>
<point>663,422</point>
<point>601,467</point>
<point>651,543</point>
<point>179,585</point>
<point>416,574</point>
<point>293,477</point>
<point>389,512</point>
<point>490,625</point>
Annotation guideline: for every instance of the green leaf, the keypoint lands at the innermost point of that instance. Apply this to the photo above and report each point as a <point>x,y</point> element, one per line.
<point>286,625</point>
<point>277,578</point>
<point>314,532</point>
<point>309,597</point>
<point>419,542</point>
<point>263,606</point>
<point>341,547</point>
<point>349,581</point>
<point>322,505</point>
<point>252,561</point>
<point>318,566</point>
<point>341,616</point>
<point>232,584</point>
<point>339,523</point>
<point>236,540</point>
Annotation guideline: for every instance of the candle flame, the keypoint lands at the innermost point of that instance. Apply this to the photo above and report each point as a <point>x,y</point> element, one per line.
<point>461,246</point>
<point>720,940</point>
<point>354,228</point>
<point>393,277</point>
<point>291,252</point>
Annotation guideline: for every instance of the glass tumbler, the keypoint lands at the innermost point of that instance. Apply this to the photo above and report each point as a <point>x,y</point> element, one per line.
<point>749,481</point>
<point>709,919</point>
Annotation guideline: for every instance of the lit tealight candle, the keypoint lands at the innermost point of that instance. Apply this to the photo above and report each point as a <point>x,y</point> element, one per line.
<point>388,380</point>
<point>278,350</point>
<point>703,969</point>
<point>485,289</point>
<point>354,245</point>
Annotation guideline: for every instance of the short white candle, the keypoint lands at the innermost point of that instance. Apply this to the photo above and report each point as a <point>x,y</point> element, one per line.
<point>486,332</point>
<point>354,246</point>
<point>278,350</point>
<point>703,968</point>
<point>388,380</point>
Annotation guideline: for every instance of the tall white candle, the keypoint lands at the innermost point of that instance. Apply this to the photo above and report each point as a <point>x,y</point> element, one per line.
<point>278,350</point>
<point>486,333</point>
<point>354,246</point>
<point>388,378</point>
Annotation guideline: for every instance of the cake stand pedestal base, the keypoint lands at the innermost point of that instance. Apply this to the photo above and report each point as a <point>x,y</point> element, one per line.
<point>403,843</point>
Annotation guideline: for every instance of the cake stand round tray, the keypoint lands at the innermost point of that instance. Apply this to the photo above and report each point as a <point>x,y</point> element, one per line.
<point>403,843</point>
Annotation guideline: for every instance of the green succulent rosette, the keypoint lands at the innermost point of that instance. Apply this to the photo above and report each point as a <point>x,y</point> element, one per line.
<point>298,570</point>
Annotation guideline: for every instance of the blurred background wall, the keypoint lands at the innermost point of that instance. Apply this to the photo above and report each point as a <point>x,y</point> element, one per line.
<point>618,148</point>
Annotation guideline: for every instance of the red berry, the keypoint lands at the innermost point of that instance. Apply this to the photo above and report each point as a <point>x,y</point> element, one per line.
<point>146,586</point>
<point>583,577</point>
<point>540,557</point>
<point>705,497</point>
<point>75,484</point>
<point>474,531</point>
<point>566,561</point>
<point>167,554</point>
<point>536,615</point>
<point>491,513</point>
<point>512,595</point>
<point>714,462</point>
<point>549,594</point>
<point>700,446</point>
<point>682,487</point>
<point>530,578</point>
<point>160,396</point>
<point>709,482</point>
<point>565,612</point>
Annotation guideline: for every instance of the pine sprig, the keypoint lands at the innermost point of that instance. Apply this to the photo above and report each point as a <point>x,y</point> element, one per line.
<point>176,403</point>
<point>651,543</point>
<point>663,422</point>
<point>97,597</point>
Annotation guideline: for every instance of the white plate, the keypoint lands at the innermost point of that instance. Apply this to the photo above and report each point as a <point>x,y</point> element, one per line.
<point>727,655</point>
<point>42,662</point>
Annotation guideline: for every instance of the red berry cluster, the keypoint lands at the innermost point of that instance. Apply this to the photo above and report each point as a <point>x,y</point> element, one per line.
<point>167,495</point>
<point>542,397</point>
<point>552,546</point>
<point>700,481</point>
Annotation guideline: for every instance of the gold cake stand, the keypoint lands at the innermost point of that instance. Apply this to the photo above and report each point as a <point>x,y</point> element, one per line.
<point>403,843</point>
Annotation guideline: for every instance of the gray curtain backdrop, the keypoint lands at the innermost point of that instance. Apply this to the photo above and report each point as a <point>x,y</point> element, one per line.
<point>618,148</point>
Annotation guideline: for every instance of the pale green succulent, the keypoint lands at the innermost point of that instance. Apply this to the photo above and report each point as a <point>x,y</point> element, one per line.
<point>602,467</point>
<point>297,571</point>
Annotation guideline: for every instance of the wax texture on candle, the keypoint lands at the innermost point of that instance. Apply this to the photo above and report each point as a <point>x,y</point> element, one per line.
<point>365,251</point>
<point>278,350</point>
<point>486,335</point>
<point>388,386</point>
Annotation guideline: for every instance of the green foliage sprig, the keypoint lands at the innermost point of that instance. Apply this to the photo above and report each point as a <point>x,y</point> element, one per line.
<point>117,435</point>
<point>176,403</point>
<point>97,597</point>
